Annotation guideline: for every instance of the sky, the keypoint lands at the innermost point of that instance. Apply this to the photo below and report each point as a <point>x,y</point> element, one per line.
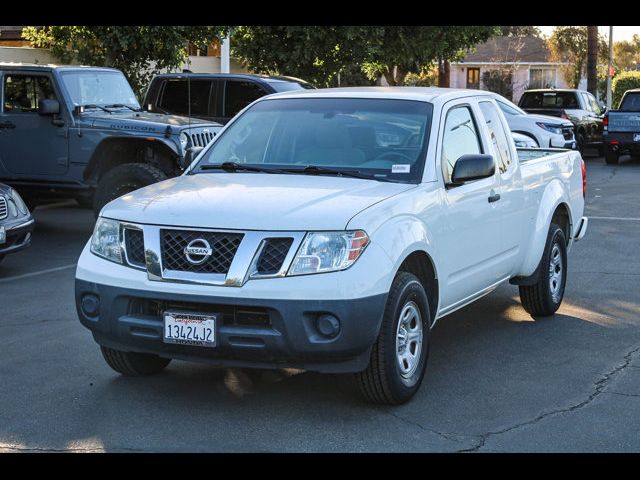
<point>619,33</point>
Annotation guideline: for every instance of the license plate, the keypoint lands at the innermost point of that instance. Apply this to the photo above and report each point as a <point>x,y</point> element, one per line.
<point>3,235</point>
<point>190,328</point>
<point>636,137</point>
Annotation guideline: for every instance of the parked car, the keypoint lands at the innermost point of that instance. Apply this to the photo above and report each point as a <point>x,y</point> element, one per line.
<point>622,128</point>
<point>328,230</point>
<point>79,132</point>
<point>214,96</point>
<point>544,130</point>
<point>16,223</point>
<point>579,106</point>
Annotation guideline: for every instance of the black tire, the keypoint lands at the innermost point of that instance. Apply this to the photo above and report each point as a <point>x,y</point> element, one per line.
<point>1,258</point>
<point>383,382</point>
<point>124,179</point>
<point>85,201</point>
<point>134,364</point>
<point>580,142</point>
<point>612,158</point>
<point>544,298</point>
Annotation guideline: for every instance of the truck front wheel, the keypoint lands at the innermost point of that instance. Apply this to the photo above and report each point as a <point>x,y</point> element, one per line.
<point>124,179</point>
<point>544,298</point>
<point>399,356</point>
<point>134,364</point>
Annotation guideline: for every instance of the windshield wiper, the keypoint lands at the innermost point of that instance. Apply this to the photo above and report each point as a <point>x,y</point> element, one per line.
<point>92,105</point>
<point>234,167</point>
<point>122,105</point>
<point>315,170</point>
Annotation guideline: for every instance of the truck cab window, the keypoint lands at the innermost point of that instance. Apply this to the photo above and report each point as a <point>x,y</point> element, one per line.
<point>460,138</point>
<point>499,142</point>
<point>22,93</point>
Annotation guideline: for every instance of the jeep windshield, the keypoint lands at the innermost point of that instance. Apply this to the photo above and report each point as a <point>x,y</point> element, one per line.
<point>99,88</point>
<point>380,139</point>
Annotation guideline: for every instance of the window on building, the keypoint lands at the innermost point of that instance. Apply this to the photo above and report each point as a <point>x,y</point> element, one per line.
<point>542,78</point>
<point>473,78</point>
<point>197,51</point>
<point>460,138</point>
<point>22,93</point>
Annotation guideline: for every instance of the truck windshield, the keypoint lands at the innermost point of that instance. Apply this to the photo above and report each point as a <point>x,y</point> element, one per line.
<point>99,87</point>
<point>381,139</point>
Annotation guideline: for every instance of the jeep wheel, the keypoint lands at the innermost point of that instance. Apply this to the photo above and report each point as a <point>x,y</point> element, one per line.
<point>124,179</point>
<point>134,364</point>
<point>399,356</point>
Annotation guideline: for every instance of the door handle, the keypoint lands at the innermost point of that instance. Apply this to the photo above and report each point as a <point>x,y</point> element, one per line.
<point>494,198</point>
<point>7,125</point>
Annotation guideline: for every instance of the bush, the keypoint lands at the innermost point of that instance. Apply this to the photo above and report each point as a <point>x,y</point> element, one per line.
<point>426,78</point>
<point>500,82</point>
<point>621,83</point>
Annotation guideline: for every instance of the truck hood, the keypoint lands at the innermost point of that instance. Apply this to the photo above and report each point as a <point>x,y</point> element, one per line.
<point>140,121</point>
<point>252,201</point>
<point>549,119</point>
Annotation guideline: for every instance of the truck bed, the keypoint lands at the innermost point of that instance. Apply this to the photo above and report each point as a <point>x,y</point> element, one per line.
<point>527,154</point>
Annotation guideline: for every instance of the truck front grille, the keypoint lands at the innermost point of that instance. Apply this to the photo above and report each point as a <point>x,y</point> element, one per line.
<point>201,139</point>
<point>134,244</point>
<point>4,210</point>
<point>224,246</point>
<point>273,255</point>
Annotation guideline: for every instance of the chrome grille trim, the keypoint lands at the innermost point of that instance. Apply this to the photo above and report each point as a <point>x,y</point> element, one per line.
<point>4,208</point>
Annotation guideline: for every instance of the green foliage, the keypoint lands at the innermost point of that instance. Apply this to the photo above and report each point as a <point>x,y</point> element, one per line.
<point>569,44</point>
<point>519,31</point>
<point>499,81</point>
<point>621,83</point>
<point>318,54</point>
<point>426,78</point>
<point>139,51</point>
<point>626,54</point>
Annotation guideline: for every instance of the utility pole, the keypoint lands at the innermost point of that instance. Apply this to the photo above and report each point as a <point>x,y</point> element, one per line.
<point>592,60</point>
<point>610,71</point>
<point>224,54</point>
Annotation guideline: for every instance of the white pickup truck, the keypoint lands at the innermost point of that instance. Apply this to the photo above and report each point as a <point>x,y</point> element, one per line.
<point>328,230</point>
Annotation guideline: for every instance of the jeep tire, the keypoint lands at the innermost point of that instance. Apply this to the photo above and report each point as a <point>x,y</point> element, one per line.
<point>123,179</point>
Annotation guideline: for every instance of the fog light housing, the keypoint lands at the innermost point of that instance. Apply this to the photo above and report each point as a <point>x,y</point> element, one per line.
<point>90,305</point>
<point>328,325</point>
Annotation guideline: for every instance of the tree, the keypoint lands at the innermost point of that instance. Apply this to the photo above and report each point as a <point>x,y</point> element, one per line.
<point>592,60</point>
<point>139,51</point>
<point>569,44</point>
<point>318,54</point>
<point>626,54</point>
<point>519,31</point>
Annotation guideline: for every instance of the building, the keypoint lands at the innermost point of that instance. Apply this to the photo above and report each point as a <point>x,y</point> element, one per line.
<point>14,49</point>
<point>511,65</point>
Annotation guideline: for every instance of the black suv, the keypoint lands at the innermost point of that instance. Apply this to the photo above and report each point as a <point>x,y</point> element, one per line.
<point>215,97</point>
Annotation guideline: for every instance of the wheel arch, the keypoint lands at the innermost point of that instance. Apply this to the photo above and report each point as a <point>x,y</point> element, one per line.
<point>420,264</point>
<point>114,151</point>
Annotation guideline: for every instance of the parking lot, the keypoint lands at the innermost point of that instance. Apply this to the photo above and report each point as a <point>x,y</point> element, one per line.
<point>496,380</point>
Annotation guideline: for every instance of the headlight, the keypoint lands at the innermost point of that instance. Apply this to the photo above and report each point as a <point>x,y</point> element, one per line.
<point>105,241</point>
<point>328,251</point>
<point>550,127</point>
<point>184,140</point>
<point>22,207</point>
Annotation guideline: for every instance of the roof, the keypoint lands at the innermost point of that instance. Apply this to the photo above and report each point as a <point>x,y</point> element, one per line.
<point>510,50</point>
<point>51,66</point>
<point>249,76</point>
<point>555,90</point>
<point>424,94</point>
<point>11,32</point>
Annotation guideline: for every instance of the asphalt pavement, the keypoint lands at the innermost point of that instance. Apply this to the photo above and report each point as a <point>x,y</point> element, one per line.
<point>496,379</point>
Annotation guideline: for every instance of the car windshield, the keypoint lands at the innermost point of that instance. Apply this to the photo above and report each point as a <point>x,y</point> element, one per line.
<point>549,100</point>
<point>380,139</point>
<point>510,108</point>
<point>95,87</point>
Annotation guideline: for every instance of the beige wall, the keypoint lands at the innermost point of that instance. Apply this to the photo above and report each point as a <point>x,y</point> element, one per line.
<point>25,55</point>
<point>211,65</point>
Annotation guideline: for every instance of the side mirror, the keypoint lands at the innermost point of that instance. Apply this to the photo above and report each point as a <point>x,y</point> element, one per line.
<point>472,167</point>
<point>603,109</point>
<point>191,155</point>
<point>48,107</point>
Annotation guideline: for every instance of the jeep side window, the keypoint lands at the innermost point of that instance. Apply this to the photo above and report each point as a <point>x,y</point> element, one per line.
<point>239,94</point>
<point>22,93</point>
<point>460,138</point>
<point>175,97</point>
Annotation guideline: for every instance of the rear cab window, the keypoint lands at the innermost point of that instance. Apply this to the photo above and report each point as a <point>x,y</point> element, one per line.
<point>549,100</point>
<point>631,102</point>
<point>498,137</point>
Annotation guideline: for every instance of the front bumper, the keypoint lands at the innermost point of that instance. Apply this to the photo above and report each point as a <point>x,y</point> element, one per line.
<point>18,235</point>
<point>277,333</point>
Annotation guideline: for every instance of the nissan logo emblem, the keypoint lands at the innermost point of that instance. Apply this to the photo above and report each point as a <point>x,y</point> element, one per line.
<point>198,251</point>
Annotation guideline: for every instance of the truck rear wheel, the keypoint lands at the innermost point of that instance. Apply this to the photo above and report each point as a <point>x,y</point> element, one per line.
<point>134,364</point>
<point>399,356</point>
<point>544,298</point>
<point>124,179</point>
<point>611,157</point>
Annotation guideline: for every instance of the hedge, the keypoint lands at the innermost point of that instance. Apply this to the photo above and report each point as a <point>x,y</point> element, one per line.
<point>621,83</point>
